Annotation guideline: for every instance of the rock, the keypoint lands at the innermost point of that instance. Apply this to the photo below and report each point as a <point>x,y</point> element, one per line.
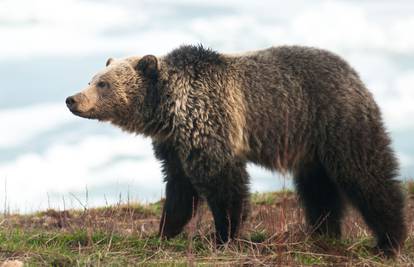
<point>14,263</point>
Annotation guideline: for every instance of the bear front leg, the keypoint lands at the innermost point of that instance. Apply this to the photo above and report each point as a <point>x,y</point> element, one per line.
<point>227,195</point>
<point>181,198</point>
<point>229,210</point>
<point>180,206</point>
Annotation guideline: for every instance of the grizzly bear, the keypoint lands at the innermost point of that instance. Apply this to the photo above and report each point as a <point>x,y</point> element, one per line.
<point>292,109</point>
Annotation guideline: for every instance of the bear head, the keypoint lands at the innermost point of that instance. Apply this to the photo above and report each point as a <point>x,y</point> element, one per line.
<point>120,93</point>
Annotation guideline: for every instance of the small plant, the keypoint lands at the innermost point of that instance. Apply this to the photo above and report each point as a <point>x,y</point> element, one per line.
<point>309,259</point>
<point>258,236</point>
<point>410,188</point>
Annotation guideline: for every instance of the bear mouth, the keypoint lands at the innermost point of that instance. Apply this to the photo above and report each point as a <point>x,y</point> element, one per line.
<point>82,114</point>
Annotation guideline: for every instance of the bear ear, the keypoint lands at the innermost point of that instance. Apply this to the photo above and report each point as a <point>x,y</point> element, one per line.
<point>109,61</point>
<point>148,65</point>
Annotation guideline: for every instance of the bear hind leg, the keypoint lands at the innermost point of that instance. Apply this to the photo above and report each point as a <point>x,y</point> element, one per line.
<point>321,199</point>
<point>381,204</point>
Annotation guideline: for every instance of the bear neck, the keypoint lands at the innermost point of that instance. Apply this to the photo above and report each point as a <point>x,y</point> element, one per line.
<point>146,116</point>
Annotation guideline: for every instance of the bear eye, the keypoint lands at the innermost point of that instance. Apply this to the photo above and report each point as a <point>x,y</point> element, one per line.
<point>102,84</point>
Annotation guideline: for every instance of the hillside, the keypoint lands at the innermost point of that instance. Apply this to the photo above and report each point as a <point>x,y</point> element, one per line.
<point>125,234</point>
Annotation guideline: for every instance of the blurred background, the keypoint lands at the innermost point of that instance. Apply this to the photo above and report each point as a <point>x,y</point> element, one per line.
<point>50,49</point>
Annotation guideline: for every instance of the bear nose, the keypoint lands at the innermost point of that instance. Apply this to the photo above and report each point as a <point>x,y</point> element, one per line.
<point>70,102</point>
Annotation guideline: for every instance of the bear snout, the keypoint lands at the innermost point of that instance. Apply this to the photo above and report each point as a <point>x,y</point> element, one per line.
<point>80,105</point>
<point>70,102</point>
<point>75,102</point>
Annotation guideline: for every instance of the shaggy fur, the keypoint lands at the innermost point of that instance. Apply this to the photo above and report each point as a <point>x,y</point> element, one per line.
<point>290,109</point>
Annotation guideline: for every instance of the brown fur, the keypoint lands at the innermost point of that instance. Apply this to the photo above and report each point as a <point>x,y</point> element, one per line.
<point>291,109</point>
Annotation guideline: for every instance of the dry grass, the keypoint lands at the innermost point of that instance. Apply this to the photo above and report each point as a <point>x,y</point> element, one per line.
<point>125,235</point>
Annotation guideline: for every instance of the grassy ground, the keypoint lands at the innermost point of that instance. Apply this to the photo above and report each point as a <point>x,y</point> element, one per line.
<point>125,234</point>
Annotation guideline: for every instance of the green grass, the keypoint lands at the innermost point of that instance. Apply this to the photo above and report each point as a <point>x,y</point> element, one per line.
<point>83,248</point>
<point>269,198</point>
<point>126,235</point>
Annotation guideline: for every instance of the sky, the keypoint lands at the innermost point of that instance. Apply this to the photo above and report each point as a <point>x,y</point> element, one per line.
<point>50,49</point>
